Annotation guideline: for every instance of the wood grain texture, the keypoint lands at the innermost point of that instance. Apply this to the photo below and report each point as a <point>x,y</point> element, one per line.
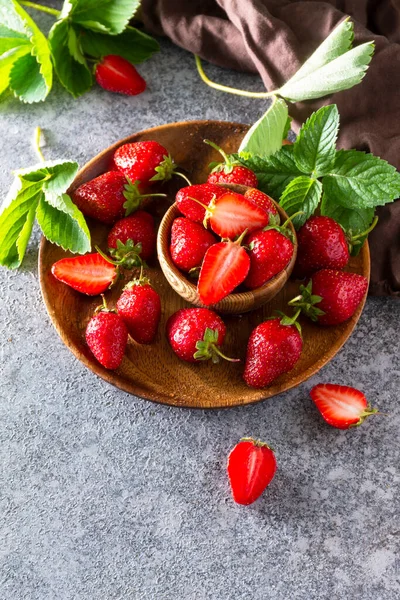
<point>154,372</point>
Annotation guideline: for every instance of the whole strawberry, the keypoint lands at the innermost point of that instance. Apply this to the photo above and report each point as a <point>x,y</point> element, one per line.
<point>204,193</point>
<point>340,405</point>
<point>139,306</point>
<point>196,334</point>
<point>145,161</point>
<point>107,337</point>
<point>231,171</point>
<point>322,244</point>
<point>265,202</point>
<point>331,297</point>
<point>140,229</point>
<point>108,197</point>
<point>270,251</point>
<point>116,74</point>
<point>189,243</point>
<point>251,467</point>
<point>274,348</point>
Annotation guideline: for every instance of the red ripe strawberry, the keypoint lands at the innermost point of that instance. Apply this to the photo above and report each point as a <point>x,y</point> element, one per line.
<point>322,244</point>
<point>204,193</point>
<point>274,348</point>
<point>251,467</point>
<point>146,162</point>
<point>89,274</point>
<point>109,197</point>
<point>331,297</point>
<point>231,214</point>
<point>107,336</point>
<point>341,406</point>
<point>189,243</point>
<point>116,74</point>
<point>270,252</point>
<point>225,266</point>
<point>139,228</point>
<point>231,171</point>
<point>196,334</point>
<point>140,308</point>
<point>264,201</point>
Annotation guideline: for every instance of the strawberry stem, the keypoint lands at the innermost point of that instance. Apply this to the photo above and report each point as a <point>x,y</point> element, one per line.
<point>183,177</point>
<point>222,355</point>
<point>241,237</point>
<point>36,143</point>
<point>218,149</point>
<point>45,9</point>
<point>290,219</point>
<point>367,231</point>
<point>229,90</point>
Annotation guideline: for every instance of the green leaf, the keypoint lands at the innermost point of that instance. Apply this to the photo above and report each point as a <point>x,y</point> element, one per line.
<point>265,136</point>
<point>360,180</point>
<point>7,61</point>
<point>103,16</point>
<point>16,221</point>
<point>302,194</point>
<point>287,127</point>
<point>74,74</point>
<point>12,39</point>
<point>63,223</point>
<point>314,148</point>
<point>10,18</point>
<point>26,81</point>
<point>132,44</point>
<point>341,74</point>
<point>275,172</point>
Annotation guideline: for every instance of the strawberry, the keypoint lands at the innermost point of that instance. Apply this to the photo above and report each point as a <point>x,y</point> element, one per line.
<point>341,406</point>
<point>196,334</point>
<point>107,336</point>
<point>89,274</point>
<point>265,202</point>
<point>145,161</point>
<point>251,467</point>
<point>116,74</point>
<point>331,297</point>
<point>189,243</point>
<point>322,244</point>
<point>139,228</point>
<point>231,171</point>
<point>140,308</point>
<point>230,214</point>
<point>274,348</point>
<point>204,193</point>
<point>225,266</point>
<point>109,197</point>
<point>270,250</point>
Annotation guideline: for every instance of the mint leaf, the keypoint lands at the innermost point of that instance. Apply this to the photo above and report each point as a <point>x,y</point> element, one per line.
<point>40,191</point>
<point>132,44</point>
<point>333,67</point>
<point>103,16</point>
<point>63,223</point>
<point>275,172</point>
<point>314,148</point>
<point>302,194</point>
<point>360,180</point>
<point>70,64</point>
<point>265,136</point>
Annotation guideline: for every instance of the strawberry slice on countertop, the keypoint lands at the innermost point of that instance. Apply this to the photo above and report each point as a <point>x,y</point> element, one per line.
<point>340,405</point>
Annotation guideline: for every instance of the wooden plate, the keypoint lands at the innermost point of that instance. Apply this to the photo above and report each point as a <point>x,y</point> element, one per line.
<point>154,372</point>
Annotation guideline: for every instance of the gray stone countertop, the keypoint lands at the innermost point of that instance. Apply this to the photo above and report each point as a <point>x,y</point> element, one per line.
<point>104,496</point>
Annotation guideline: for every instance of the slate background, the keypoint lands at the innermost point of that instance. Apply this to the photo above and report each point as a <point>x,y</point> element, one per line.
<point>104,496</point>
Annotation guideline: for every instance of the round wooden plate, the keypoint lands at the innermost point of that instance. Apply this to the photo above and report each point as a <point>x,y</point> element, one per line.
<point>154,372</point>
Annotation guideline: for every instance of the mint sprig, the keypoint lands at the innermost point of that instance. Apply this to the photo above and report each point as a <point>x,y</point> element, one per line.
<point>315,146</point>
<point>84,32</point>
<point>40,192</point>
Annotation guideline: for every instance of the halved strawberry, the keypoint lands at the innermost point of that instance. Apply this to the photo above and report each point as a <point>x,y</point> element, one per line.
<point>116,74</point>
<point>225,266</point>
<point>202,192</point>
<point>340,405</point>
<point>89,274</point>
<point>232,213</point>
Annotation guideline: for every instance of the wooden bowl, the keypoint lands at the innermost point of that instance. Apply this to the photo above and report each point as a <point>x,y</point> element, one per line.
<point>154,372</point>
<point>236,303</point>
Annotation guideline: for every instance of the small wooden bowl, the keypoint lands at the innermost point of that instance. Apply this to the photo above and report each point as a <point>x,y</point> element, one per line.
<point>237,303</point>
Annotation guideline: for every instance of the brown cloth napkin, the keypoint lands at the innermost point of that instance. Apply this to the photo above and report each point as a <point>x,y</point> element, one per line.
<point>273,38</point>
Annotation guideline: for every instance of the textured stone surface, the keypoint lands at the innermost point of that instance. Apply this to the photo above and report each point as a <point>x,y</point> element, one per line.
<point>104,496</point>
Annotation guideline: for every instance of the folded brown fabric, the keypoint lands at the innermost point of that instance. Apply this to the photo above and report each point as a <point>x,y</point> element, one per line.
<point>273,38</point>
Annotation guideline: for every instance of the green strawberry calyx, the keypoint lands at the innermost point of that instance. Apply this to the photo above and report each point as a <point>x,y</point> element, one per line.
<point>208,348</point>
<point>227,165</point>
<point>134,196</point>
<point>166,169</point>
<point>306,302</point>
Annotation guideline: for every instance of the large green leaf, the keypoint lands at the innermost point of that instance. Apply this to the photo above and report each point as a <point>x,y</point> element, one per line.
<point>265,136</point>
<point>63,223</point>
<point>7,61</point>
<point>103,16</point>
<point>315,146</point>
<point>132,44</point>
